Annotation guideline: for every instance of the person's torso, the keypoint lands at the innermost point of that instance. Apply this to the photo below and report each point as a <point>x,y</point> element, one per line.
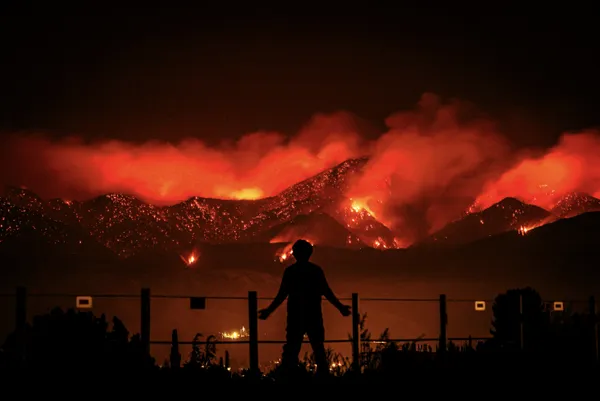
<point>305,288</point>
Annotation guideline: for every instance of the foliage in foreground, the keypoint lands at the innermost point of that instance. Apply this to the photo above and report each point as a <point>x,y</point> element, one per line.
<point>71,340</point>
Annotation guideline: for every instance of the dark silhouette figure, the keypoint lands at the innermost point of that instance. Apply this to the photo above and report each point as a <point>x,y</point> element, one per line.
<point>304,284</point>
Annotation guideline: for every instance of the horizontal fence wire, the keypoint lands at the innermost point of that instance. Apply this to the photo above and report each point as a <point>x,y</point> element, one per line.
<point>381,341</point>
<point>245,298</point>
<point>165,342</point>
<point>145,296</point>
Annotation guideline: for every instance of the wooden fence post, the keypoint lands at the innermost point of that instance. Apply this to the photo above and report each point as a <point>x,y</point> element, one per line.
<point>253,331</point>
<point>175,356</point>
<point>21,308</point>
<point>355,334</point>
<point>21,320</point>
<point>442,346</point>
<point>594,320</point>
<point>521,323</point>
<point>145,320</point>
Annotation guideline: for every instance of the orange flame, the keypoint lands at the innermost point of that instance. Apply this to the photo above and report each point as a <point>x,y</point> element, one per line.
<point>361,205</point>
<point>190,259</point>
<point>235,335</point>
<point>434,157</point>
<point>524,230</point>
<point>243,194</point>
<point>287,252</point>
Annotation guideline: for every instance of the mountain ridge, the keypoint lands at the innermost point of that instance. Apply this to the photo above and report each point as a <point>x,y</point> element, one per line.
<point>128,225</point>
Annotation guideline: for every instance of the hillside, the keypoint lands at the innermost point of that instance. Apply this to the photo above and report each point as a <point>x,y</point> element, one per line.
<point>318,227</point>
<point>575,203</point>
<point>127,225</point>
<point>314,208</point>
<point>509,214</point>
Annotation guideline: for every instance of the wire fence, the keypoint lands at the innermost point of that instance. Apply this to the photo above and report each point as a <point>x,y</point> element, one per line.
<point>446,317</point>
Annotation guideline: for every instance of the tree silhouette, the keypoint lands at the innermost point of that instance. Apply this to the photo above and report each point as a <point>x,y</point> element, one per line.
<point>574,336</point>
<point>519,317</point>
<point>75,341</point>
<point>202,358</point>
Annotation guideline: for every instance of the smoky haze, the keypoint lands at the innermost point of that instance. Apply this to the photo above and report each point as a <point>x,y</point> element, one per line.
<point>431,164</point>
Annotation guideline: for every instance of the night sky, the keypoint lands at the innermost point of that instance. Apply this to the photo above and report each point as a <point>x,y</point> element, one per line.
<point>165,74</point>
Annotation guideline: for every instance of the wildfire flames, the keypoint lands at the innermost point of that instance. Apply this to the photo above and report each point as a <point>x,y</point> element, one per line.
<point>234,335</point>
<point>285,254</point>
<point>361,206</point>
<point>190,259</point>
<point>433,163</point>
<point>524,230</point>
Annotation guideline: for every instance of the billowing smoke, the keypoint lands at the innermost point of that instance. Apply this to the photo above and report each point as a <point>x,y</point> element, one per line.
<point>573,165</point>
<point>431,164</point>
<point>257,165</point>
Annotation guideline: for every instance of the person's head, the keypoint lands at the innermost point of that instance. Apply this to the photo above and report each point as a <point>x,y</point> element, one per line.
<point>302,250</point>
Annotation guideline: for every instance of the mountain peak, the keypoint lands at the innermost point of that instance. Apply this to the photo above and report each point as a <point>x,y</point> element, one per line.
<point>510,202</point>
<point>127,225</point>
<point>575,203</point>
<point>509,214</point>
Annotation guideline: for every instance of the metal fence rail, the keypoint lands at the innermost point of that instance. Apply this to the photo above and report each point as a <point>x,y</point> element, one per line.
<point>199,302</point>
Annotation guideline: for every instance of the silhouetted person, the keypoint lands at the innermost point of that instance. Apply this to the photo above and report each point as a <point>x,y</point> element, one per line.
<point>304,284</point>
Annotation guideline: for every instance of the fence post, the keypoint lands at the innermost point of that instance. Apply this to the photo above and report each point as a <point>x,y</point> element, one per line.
<point>145,320</point>
<point>594,320</point>
<point>175,356</point>
<point>21,309</point>
<point>21,320</point>
<point>443,323</point>
<point>253,331</point>
<point>355,334</point>
<point>521,323</point>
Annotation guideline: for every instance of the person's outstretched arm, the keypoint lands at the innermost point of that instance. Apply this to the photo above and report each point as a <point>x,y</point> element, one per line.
<point>330,296</point>
<point>279,298</point>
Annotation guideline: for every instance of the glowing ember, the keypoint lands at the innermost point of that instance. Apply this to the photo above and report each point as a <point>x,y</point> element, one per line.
<point>523,230</point>
<point>361,206</point>
<point>399,243</point>
<point>574,203</point>
<point>380,243</point>
<point>190,259</point>
<point>286,253</point>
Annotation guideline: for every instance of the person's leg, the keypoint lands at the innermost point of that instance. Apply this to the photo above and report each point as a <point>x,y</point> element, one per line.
<point>294,336</point>
<point>316,335</point>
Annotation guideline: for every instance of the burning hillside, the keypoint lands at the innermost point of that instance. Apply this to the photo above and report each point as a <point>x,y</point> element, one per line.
<point>128,225</point>
<point>318,227</point>
<point>357,217</point>
<point>573,204</point>
<point>508,215</point>
<point>316,210</point>
<point>414,180</point>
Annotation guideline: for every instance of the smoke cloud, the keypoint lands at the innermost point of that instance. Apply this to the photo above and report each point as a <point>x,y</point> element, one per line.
<point>573,165</point>
<point>431,164</point>
<point>257,165</point>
